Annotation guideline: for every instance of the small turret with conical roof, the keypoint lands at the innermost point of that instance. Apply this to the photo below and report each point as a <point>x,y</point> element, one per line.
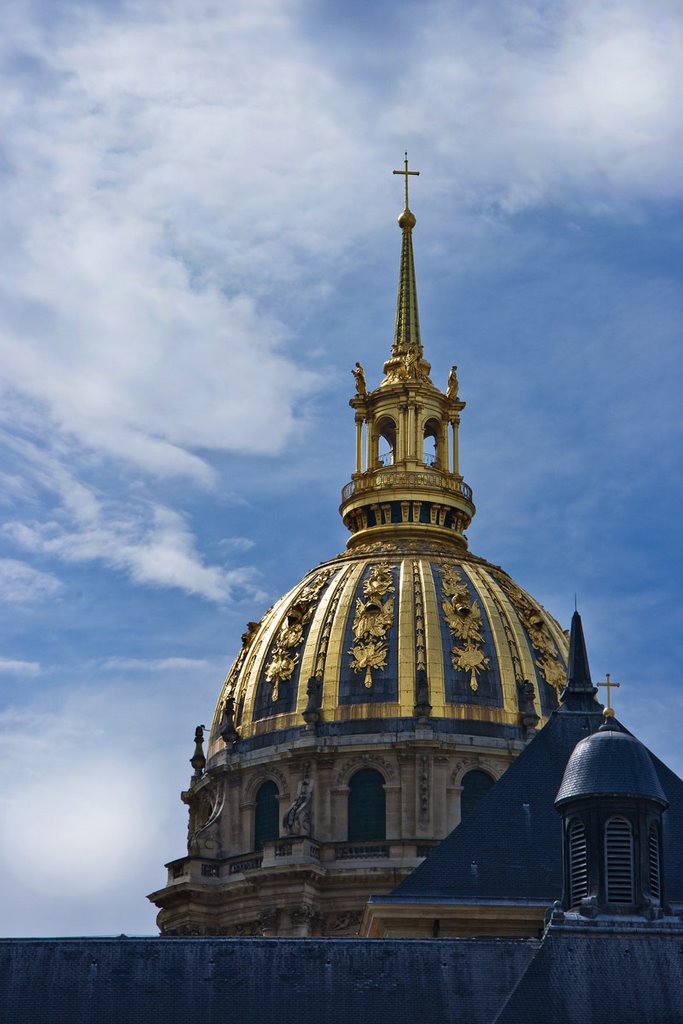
<point>611,802</point>
<point>407,483</point>
<point>579,694</point>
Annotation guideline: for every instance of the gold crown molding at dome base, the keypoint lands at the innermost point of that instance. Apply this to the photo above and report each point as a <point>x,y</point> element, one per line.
<point>382,709</point>
<point>445,539</point>
<point>441,547</point>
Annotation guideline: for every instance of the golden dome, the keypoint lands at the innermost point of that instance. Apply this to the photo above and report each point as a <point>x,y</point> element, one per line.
<point>397,634</point>
<point>407,627</point>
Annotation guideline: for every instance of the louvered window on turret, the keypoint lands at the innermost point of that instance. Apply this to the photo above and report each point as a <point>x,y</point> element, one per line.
<point>578,863</point>
<point>653,860</point>
<point>619,861</point>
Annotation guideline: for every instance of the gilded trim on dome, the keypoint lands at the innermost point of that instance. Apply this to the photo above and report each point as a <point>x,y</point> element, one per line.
<point>527,663</point>
<point>507,652</point>
<point>315,651</point>
<point>333,661</point>
<point>285,656</point>
<point>420,660</point>
<point>433,642</point>
<point>534,620</point>
<point>406,636</point>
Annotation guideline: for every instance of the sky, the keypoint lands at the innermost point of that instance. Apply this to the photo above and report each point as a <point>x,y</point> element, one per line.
<point>197,241</point>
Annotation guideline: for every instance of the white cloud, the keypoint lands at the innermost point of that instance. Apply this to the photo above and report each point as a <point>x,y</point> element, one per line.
<point>175,228</point>
<point>130,532</point>
<point>134,308</point>
<point>86,833</point>
<point>90,840</point>
<point>31,669</point>
<point>530,103</point>
<point>93,821</point>
<point>171,225</point>
<point>22,584</point>
<point>152,544</point>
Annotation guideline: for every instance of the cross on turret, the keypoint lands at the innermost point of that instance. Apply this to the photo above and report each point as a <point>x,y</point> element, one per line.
<point>405,173</point>
<point>609,710</point>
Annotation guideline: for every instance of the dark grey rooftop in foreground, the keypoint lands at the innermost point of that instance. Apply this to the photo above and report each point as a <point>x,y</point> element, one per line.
<point>256,981</point>
<point>574,976</point>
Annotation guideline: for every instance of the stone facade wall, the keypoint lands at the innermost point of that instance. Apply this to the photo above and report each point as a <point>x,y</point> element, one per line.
<point>311,880</point>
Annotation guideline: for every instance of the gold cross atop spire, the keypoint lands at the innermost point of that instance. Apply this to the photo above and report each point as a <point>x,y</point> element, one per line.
<point>406,172</point>
<point>609,710</point>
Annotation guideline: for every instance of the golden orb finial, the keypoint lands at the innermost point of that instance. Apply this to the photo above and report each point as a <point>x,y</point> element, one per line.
<point>407,220</point>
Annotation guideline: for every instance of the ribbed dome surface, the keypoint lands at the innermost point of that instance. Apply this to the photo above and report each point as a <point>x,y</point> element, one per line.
<point>610,763</point>
<point>373,635</point>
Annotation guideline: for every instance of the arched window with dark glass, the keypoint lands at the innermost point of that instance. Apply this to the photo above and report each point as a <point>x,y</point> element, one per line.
<point>267,815</point>
<point>367,806</point>
<point>619,861</point>
<point>578,863</point>
<point>475,785</point>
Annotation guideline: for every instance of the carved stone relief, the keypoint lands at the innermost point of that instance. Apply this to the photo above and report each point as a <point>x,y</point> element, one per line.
<point>297,819</point>
<point>263,775</point>
<point>423,788</point>
<point>364,761</point>
<point>345,921</point>
<point>204,824</point>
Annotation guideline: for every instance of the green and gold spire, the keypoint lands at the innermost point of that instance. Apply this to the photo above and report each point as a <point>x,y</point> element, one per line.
<point>407,482</point>
<point>407,332</point>
<point>407,357</point>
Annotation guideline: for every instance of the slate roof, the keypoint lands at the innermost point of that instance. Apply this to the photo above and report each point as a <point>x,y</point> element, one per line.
<point>610,976</point>
<point>610,763</point>
<point>614,976</point>
<point>257,981</point>
<point>509,848</point>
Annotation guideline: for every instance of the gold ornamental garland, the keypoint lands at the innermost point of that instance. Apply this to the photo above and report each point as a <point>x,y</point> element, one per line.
<point>463,618</point>
<point>372,620</point>
<point>551,668</point>
<point>285,657</point>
